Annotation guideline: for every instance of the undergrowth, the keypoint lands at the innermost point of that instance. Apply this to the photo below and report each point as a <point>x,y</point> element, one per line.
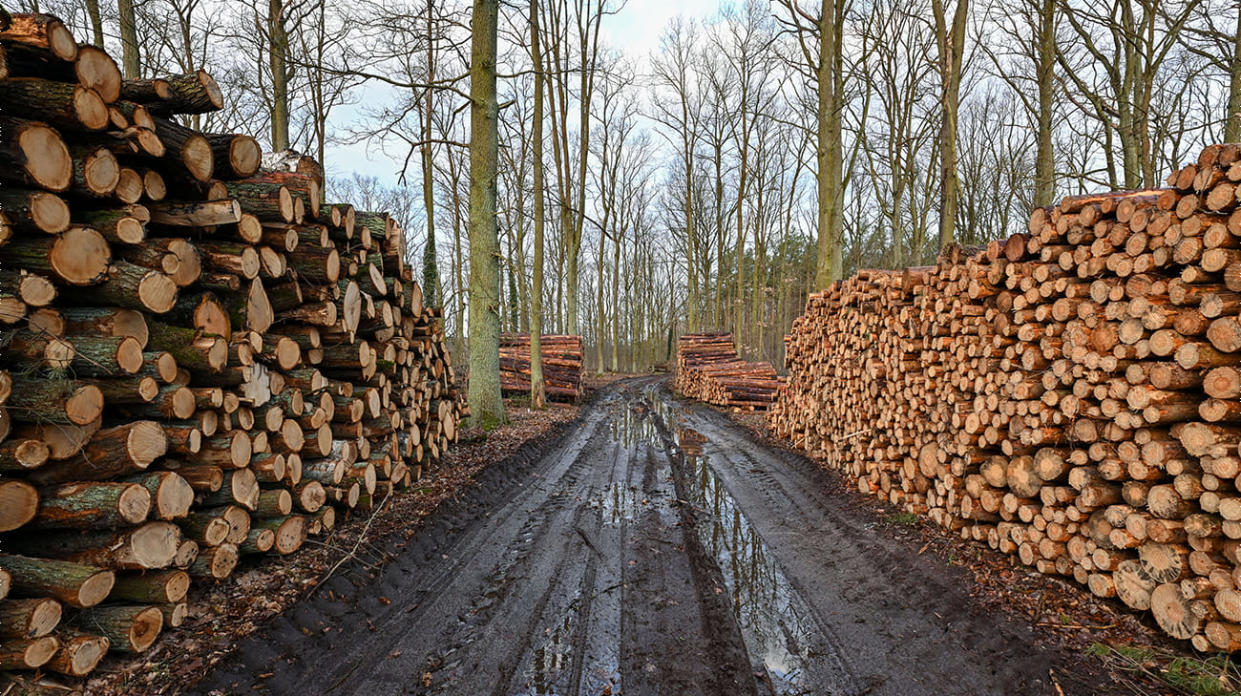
<point>1216,675</point>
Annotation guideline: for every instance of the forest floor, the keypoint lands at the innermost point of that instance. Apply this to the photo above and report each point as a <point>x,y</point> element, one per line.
<point>654,546</point>
<point>223,614</point>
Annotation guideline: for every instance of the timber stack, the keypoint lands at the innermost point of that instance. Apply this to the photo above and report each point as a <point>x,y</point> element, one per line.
<point>201,359</point>
<point>562,365</point>
<point>1071,396</point>
<point>709,369</point>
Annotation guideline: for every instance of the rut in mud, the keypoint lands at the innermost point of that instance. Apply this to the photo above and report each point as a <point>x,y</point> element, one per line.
<point>655,548</point>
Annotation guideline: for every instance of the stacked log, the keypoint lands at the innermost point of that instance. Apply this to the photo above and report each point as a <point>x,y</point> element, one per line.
<point>201,359</point>
<point>709,369</point>
<point>562,365</point>
<point>1069,395</point>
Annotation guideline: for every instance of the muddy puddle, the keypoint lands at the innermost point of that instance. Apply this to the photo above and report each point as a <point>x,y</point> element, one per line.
<point>581,652</point>
<point>779,631</point>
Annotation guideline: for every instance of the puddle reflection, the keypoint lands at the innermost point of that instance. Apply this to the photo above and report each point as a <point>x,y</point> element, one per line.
<point>775,622</point>
<point>635,426</point>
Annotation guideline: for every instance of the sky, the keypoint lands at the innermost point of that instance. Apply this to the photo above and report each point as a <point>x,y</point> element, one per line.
<point>635,30</point>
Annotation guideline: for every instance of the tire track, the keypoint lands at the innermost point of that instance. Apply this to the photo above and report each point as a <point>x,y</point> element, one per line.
<point>653,548</point>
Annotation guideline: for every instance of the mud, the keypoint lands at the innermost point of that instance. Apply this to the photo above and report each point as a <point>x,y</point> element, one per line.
<point>654,548</point>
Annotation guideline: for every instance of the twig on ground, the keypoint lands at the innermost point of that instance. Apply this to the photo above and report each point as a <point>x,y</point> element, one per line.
<point>361,537</point>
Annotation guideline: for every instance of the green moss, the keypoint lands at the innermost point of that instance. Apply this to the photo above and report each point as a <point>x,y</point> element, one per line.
<point>488,422</point>
<point>905,519</point>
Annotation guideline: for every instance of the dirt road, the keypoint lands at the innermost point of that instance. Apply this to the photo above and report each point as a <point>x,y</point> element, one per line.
<point>655,548</point>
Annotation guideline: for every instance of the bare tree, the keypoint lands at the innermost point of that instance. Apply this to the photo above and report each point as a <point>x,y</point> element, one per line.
<point>537,390</point>
<point>486,406</point>
<point>827,65</point>
<point>129,38</point>
<point>96,22</point>
<point>950,40</point>
<point>678,106</point>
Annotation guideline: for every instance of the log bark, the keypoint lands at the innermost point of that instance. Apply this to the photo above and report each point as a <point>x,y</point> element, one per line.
<point>76,584</point>
<point>129,628</point>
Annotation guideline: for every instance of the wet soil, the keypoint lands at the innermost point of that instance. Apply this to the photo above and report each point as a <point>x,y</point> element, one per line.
<point>654,548</point>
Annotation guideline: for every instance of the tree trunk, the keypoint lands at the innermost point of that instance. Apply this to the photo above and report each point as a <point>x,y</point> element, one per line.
<point>96,22</point>
<point>538,397</point>
<point>1045,158</point>
<point>951,43</point>
<point>486,405</point>
<point>430,267</point>
<point>279,75</point>
<point>830,156</point>
<point>129,39</point>
<point>616,306</point>
<point>601,315</point>
<point>1232,126</point>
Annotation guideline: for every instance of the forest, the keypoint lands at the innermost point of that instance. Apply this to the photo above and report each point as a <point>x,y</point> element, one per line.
<point>864,320</point>
<point>758,152</point>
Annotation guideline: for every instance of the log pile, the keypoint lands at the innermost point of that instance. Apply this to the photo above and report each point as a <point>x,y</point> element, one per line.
<point>1071,395</point>
<point>562,365</point>
<point>709,369</point>
<point>201,359</point>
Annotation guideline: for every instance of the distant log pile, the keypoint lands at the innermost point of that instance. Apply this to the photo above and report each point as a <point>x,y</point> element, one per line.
<point>201,359</point>
<point>709,369</point>
<point>1071,396</point>
<point>562,365</point>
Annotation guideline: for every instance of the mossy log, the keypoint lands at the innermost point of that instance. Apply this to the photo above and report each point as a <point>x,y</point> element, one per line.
<point>27,653</point>
<point>171,494</point>
<point>149,546</point>
<point>258,541</point>
<point>33,154</point>
<point>214,563</point>
<point>34,211</point>
<point>54,400</point>
<point>79,654</point>
<point>265,201</point>
<point>96,172</point>
<point>316,264</point>
<point>236,156</point>
<point>29,618</point>
<point>290,532</point>
<point>209,527</point>
<point>240,487</point>
<point>187,147</point>
<point>79,256</point>
<point>105,356</point>
<point>273,502</point>
<point>159,587</point>
<point>197,353</point>
<point>191,93</point>
<point>105,321</point>
<point>129,628</point>
<point>92,505</point>
<point>109,453</point>
<point>123,225</point>
<point>76,584</point>
<point>24,289</point>
<point>131,286</point>
<point>19,455</point>
<point>209,213</point>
